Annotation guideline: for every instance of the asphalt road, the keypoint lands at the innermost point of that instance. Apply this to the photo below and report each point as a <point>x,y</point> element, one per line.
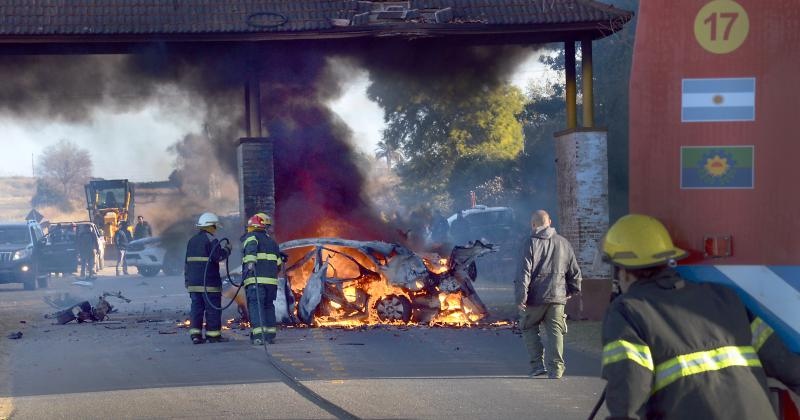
<point>141,364</point>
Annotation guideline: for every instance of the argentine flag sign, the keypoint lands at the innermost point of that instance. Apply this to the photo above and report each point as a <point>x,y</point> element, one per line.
<point>710,100</point>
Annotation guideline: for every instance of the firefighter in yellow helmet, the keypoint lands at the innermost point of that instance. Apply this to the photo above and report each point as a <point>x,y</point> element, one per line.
<point>673,349</point>
<point>260,261</point>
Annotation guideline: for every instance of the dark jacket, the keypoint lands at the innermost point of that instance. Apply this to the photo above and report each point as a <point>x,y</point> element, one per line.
<point>263,251</point>
<point>202,251</point>
<point>142,230</point>
<point>121,238</point>
<point>679,350</point>
<point>86,243</point>
<point>548,271</point>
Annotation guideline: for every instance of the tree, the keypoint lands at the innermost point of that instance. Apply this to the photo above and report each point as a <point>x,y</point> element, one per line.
<point>443,136</point>
<point>390,152</point>
<point>66,164</point>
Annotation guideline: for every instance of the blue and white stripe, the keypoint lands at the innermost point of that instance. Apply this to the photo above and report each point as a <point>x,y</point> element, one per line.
<point>771,292</point>
<point>712,100</point>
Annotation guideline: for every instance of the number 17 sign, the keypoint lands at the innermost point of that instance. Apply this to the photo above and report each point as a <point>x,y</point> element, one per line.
<point>721,26</point>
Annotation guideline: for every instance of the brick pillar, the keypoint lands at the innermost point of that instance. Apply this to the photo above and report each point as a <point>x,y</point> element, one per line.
<point>582,183</point>
<point>256,176</point>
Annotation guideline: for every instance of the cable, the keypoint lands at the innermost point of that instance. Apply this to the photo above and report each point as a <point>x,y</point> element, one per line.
<point>598,405</point>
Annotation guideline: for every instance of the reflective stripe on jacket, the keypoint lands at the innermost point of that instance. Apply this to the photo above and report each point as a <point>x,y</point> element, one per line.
<point>680,350</point>
<point>198,254</point>
<point>261,250</point>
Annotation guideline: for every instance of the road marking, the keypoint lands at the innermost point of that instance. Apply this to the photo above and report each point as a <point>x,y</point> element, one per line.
<point>337,368</point>
<point>307,369</point>
<point>6,408</point>
<point>297,364</point>
<point>337,382</point>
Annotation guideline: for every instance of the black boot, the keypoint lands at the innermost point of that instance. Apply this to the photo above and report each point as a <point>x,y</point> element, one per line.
<point>218,339</point>
<point>197,339</point>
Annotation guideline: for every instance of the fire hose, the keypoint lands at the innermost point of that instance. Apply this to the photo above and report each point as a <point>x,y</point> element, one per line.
<point>227,275</point>
<point>288,379</point>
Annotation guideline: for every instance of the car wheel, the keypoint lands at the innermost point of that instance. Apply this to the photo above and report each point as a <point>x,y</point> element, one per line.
<point>148,271</point>
<point>394,308</point>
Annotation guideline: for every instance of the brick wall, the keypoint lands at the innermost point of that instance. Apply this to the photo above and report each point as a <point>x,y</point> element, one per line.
<point>582,185</point>
<point>256,176</point>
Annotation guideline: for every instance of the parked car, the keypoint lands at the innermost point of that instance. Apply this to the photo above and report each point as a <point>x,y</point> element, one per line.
<point>492,224</point>
<point>150,256</point>
<point>61,250</point>
<point>167,251</point>
<point>21,246</point>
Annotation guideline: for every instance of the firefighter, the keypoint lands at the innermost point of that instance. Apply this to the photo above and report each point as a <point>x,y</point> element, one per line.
<point>673,349</point>
<point>260,261</point>
<point>203,254</point>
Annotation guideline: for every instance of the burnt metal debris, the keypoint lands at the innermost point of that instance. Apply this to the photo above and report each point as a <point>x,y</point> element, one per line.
<point>82,311</point>
<point>352,280</point>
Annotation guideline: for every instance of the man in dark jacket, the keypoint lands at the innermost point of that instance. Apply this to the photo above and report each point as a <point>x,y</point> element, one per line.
<point>142,229</point>
<point>673,349</point>
<point>121,239</point>
<point>87,248</point>
<point>203,282</point>
<point>260,261</point>
<point>548,276</point>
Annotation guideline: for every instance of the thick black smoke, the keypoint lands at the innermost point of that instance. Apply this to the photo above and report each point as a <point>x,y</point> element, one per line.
<point>318,180</point>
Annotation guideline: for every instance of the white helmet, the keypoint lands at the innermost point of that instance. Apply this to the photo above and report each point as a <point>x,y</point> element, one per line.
<point>208,219</point>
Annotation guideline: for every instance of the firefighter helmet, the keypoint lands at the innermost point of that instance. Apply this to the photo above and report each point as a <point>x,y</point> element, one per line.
<point>208,219</point>
<point>639,241</point>
<point>259,221</point>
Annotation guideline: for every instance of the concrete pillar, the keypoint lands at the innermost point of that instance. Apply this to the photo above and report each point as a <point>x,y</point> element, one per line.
<point>256,176</point>
<point>582,185</point>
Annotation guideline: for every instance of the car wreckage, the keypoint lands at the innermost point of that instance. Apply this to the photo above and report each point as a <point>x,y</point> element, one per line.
<point>334,281</point>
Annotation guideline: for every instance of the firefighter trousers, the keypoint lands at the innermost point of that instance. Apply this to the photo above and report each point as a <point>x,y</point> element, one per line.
<point>200,308</point>
<point>262,319</point>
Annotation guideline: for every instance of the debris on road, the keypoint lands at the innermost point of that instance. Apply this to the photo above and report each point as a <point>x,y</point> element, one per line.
<point>15,335</point>
<point>84,311</point>
<point>168,331</point>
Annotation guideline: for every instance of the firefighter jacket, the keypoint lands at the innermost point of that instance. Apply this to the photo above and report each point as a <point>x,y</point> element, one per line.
<point>548,271</point>
<point>203,250</point>
<point>263,251</point>
<point>673,349</point>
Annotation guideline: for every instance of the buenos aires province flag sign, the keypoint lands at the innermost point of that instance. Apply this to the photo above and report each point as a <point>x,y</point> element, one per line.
<point>717,167</point>
<point>710,100</point>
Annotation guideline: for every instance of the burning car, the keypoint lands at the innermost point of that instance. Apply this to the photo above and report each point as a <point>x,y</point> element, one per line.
<point>341,281</point>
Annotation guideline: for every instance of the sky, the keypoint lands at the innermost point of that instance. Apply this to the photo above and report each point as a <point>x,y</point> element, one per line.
<point>135,145</point>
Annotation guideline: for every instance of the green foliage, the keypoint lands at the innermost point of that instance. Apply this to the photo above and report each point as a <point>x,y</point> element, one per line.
<point>443,142</point>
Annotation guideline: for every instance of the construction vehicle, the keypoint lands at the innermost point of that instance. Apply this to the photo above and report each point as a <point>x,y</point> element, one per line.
<point>109,202</point>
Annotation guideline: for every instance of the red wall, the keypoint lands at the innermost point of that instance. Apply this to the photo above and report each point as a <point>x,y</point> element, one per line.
<point>764,221</point>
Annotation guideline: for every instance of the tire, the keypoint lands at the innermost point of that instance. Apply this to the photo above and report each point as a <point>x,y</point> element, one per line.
<point>148,271</point>
<point>394,308</point>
